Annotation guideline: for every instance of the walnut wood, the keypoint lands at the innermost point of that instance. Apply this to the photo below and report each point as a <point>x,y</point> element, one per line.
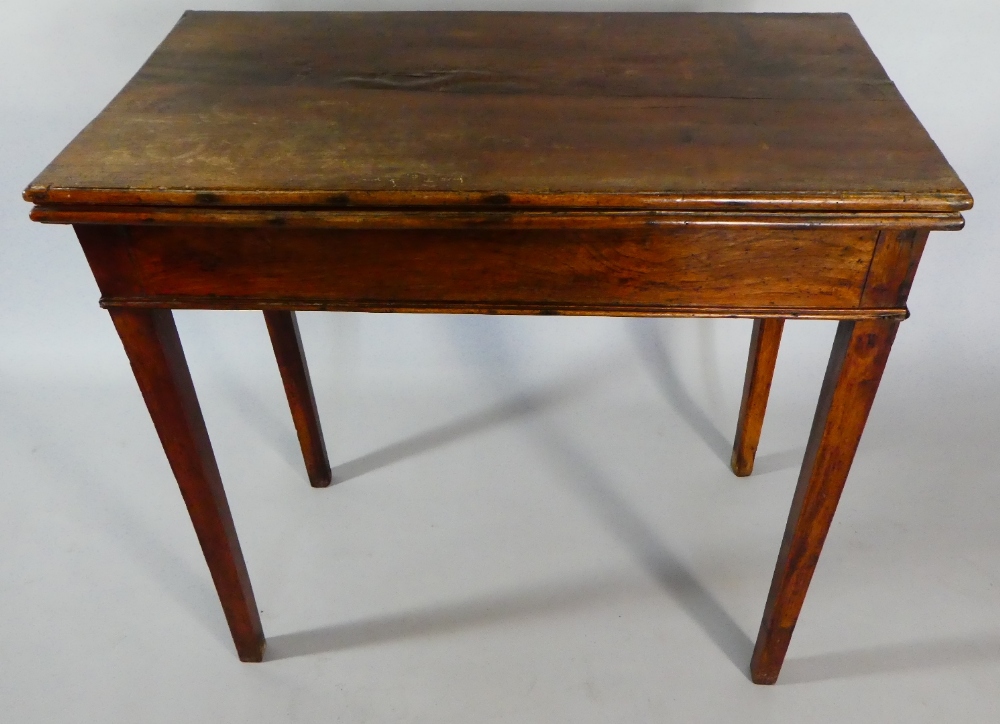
<point>582,110</point>
<point>154,350</point>
<point>284,331</point>
<point>860,352</point>
<point>764,343</point>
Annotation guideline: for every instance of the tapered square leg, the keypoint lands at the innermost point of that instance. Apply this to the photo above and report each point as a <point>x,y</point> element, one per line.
<point>764,343</point>
<point>154,350</point>
<point>287,343</point>
<point>860,352</point>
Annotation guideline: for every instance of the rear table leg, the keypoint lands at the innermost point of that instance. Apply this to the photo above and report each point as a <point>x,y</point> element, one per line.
<point>287,343</point>
<point>760,370</point>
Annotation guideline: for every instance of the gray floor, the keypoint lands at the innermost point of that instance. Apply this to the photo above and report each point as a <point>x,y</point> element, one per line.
<point>534,519</point>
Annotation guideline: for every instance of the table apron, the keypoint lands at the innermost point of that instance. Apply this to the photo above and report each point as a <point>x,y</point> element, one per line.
<point>832,273</point>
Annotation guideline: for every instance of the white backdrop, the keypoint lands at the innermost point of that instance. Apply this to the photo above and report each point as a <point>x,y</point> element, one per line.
<point>535,521</point>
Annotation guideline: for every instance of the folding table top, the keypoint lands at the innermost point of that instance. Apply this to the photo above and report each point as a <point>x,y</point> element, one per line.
<point>674,111</point>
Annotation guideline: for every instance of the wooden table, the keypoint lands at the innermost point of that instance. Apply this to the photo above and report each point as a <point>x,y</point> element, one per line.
<point>736,165</point>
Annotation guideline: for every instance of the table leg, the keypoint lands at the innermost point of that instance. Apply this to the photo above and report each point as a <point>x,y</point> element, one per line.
<point>287,343</point>
<point>764,345</point>
<point>859,355</point>
<point>154,350</point>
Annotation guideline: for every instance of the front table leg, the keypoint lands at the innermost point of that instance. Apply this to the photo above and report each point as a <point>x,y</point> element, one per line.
<point>154,350</point>
<point>860,351</point>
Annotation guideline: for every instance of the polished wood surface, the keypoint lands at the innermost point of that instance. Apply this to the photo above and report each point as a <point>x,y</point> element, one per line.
<point>743,165</point>
<point>764,343</point>
<point>508,110</point>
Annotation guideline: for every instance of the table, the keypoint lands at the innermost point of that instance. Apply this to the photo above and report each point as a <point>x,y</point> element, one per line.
<point>737,165</point>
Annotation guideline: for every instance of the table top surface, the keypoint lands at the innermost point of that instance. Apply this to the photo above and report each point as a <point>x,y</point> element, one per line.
<point>534,110</point>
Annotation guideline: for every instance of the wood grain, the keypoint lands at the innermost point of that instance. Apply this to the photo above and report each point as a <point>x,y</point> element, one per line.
<point>764,343</point>
<point>630,110</point>
<point>600,268</point>
<point>640,164</point>
<point>894,264</point>
<point>860,352</point>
